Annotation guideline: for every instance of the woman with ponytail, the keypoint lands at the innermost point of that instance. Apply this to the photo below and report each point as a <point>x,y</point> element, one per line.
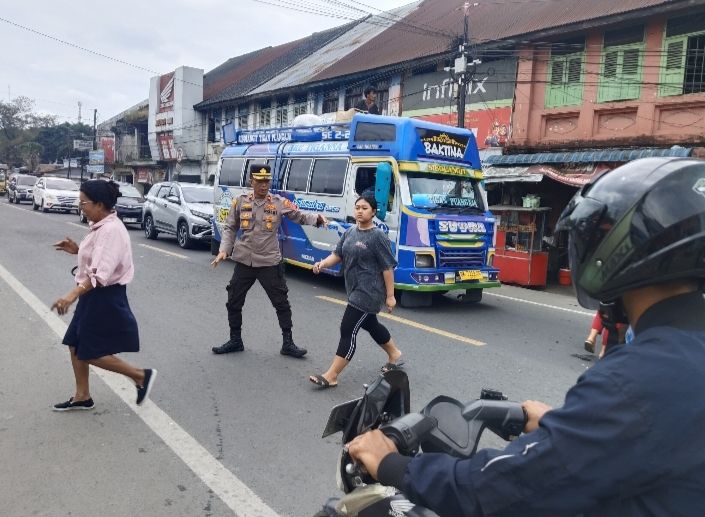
<point>103,324</point>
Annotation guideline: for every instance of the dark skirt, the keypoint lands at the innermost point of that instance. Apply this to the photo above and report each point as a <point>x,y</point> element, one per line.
<point>103,324</point>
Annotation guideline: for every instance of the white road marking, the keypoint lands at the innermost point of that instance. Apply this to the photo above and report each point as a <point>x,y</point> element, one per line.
<point>583,313</point>
<point>414,324</point>
<point>171,253</point>
<point>232,491</point>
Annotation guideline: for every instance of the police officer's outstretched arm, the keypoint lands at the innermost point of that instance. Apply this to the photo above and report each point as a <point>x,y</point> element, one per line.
<point>292,212</point>
<point>230,228</point>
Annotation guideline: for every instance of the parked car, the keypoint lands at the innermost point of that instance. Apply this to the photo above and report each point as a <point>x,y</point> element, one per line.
<point>55,194</point>
<point>3,183</point>
<point>128,207</point>
<point>181,209</point>
<point>20,188</point>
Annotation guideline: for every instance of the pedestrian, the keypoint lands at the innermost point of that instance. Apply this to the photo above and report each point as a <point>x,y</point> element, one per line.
<point>103,324</point>
<point>598,329</point>
<point>250,236</point>
<point>368,104</point>
<point>368,269</point>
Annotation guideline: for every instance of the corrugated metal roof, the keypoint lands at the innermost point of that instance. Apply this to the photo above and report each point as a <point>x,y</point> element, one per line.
<point>598,155</point>
<point>318,61</point>
<point>435,25</point>
<point>240,75</point>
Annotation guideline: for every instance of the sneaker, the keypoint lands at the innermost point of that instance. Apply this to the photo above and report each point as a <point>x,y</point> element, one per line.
<point>70,405</point>
<point>143,391</point>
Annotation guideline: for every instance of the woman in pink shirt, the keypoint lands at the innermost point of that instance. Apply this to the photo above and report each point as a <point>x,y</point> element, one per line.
<point>103,324</point>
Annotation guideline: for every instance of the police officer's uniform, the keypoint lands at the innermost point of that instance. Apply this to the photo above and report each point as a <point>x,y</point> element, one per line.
<point>250,235</point>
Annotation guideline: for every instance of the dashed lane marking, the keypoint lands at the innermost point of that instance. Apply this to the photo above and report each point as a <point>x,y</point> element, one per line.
<point>554,307</point>
<point>231,490</point>
<point>170,253</point>
<point>414,324</point>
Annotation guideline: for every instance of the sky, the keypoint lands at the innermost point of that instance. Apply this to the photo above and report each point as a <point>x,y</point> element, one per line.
<point>138,40</point>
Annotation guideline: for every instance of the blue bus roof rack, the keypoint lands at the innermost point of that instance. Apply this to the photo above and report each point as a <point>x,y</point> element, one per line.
<point>318,133</point>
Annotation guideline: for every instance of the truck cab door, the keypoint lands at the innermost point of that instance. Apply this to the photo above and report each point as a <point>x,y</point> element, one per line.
<point>362,180</point>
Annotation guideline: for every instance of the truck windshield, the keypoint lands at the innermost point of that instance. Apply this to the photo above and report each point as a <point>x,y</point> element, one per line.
<point>435,192</point>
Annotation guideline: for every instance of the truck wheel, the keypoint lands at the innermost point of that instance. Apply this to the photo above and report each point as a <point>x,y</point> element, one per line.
<point>410,299</point>
<point>471,296</point>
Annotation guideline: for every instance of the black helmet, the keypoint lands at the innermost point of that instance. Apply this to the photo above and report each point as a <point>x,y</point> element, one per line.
<point>640,224</point>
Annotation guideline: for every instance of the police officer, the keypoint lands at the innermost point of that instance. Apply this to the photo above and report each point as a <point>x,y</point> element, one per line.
<point>629,438</point>
<point>257,215</point>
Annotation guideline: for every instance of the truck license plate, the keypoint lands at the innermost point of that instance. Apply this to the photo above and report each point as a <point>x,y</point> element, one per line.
<point>470,275</point>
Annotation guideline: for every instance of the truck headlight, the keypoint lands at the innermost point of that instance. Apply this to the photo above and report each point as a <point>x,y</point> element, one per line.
<point>423,260</point>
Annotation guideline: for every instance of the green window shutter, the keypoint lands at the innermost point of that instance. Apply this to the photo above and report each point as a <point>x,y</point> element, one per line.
<point>621,73</point>
<point>565,81</point>
<point>555,94</point>
<point>673,66</point>
<point>631,73</point>
<point>574,83</point>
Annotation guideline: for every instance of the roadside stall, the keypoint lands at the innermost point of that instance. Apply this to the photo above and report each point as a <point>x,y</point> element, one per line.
<point>519,254</point>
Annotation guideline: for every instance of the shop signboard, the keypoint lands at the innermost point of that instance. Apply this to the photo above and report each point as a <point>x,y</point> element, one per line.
<point>490,126</point>
<point>96,161</point>
<point>107,143</point>
<point>83,145</point>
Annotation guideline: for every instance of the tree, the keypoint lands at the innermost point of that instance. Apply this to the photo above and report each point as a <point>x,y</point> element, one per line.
<point>18,125</point>
<point>31,154</point>
<point>58,140</point>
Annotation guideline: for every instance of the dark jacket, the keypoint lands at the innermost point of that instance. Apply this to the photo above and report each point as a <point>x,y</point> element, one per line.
<point>629,440</point>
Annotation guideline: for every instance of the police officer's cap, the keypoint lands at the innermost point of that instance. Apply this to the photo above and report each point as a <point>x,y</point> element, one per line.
<point>260,172</point>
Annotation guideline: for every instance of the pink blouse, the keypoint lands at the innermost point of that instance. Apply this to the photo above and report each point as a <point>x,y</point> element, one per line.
<point>105,254</point>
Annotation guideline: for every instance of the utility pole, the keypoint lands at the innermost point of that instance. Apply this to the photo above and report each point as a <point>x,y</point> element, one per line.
<point>95,134</point>
<point>463,76</point>
<point>79,111</point>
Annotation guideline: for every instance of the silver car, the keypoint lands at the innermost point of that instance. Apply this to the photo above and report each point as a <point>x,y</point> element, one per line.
<point>181,209</point>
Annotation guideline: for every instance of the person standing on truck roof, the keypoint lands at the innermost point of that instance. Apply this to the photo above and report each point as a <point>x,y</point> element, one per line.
<point>255,249</point>
<point>367,104</point>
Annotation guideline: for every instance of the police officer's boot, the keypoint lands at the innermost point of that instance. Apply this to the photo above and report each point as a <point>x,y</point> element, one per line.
<point>289,347</point>
<point>235,344</point>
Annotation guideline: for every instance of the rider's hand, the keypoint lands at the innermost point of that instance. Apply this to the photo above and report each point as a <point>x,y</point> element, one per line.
<point>67,245</point>
<point>316,268</point>
<point>534,411</point>
<point>219,258</point>
<point>370,449</point>
<point>322,220</point>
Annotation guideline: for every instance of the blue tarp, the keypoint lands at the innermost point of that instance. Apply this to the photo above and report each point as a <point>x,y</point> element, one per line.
<point>592,156</point>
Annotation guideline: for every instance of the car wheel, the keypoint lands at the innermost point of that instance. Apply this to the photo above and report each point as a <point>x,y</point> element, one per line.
<point>182,236</point>
<point>149,231</point>
<point>35,206</point>
<point>44,209</point>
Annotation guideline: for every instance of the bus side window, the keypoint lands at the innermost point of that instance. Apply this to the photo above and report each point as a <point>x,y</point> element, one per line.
<point>365,180</point>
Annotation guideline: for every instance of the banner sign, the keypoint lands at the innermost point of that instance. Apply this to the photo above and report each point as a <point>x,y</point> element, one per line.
<point>491,81</point>
<point>96,160</point>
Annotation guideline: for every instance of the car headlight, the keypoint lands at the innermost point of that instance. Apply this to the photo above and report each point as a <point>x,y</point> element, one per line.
<point>202,215</point>
<point>423,260</point>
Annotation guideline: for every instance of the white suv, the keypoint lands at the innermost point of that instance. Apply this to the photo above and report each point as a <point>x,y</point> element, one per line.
<point>181,209</point>
<point>55,194</point>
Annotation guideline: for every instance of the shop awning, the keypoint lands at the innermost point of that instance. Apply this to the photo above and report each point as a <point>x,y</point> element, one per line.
<point>592,156</point>
<point>510,174</point>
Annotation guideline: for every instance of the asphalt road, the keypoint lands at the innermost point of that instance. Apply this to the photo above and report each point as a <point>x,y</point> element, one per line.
<point>251,420</point>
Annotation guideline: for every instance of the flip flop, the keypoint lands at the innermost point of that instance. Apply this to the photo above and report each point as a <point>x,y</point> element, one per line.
<point>589,346</point>
<point>322,382</point>
<point>388,367</point>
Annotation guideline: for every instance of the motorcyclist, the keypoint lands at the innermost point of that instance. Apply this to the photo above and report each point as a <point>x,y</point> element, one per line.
<point>630,437</point>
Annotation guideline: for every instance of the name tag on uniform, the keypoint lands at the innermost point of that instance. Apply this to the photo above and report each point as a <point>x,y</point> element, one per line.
<point>246,206</point>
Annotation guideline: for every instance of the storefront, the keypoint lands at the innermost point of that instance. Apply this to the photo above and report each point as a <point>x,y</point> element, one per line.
<point>529,192</point>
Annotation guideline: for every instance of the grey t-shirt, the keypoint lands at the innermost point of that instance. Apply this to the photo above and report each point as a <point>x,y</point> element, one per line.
<point>366,254</point>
